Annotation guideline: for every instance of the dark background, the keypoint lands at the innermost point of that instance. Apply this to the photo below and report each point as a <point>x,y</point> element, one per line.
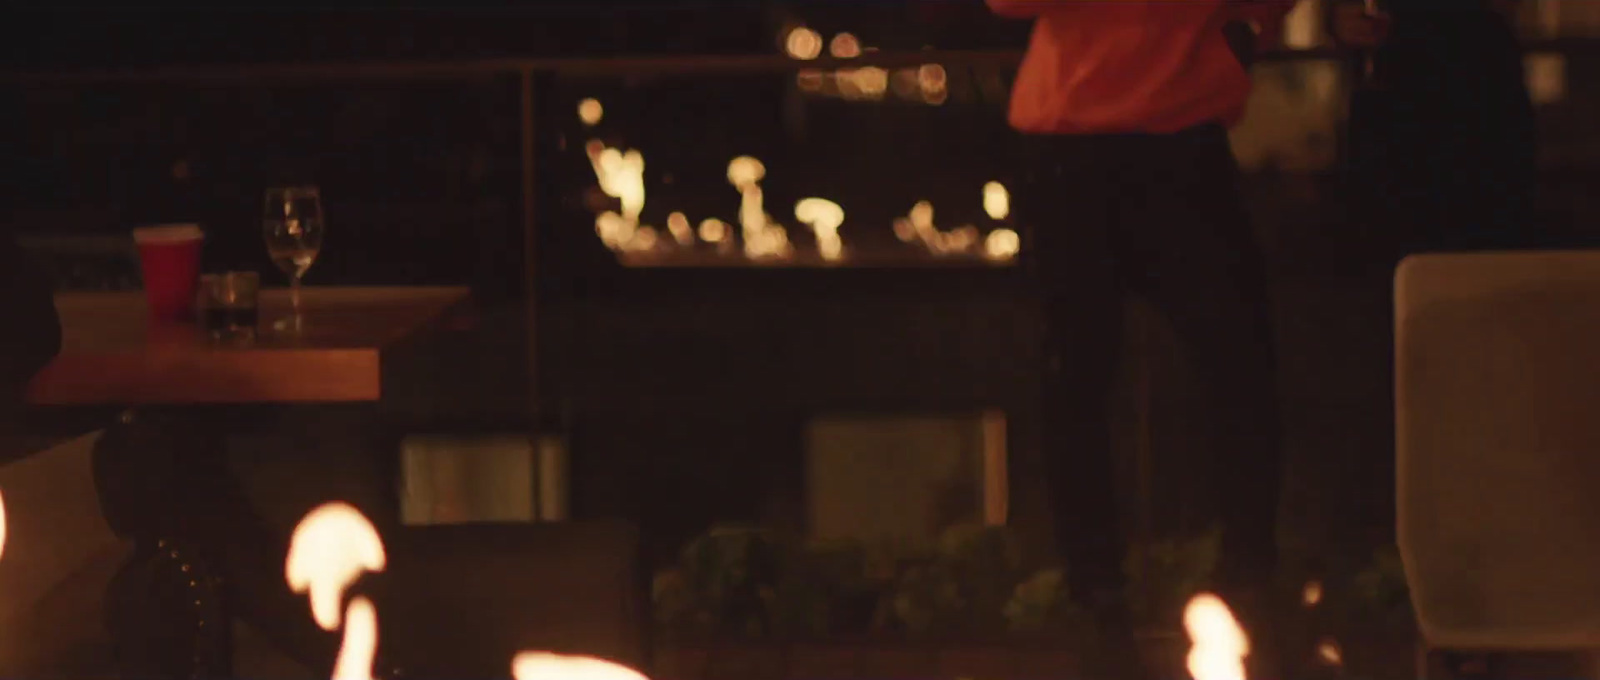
<point>685,392</point>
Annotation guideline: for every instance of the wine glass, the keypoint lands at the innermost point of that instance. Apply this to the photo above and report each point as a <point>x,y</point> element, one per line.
<point>292,225</point>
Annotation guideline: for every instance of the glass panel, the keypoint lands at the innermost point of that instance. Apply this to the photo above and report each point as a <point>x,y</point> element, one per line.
<point>1559,19</point>
<point>457,479</point>
<point>897,481</point>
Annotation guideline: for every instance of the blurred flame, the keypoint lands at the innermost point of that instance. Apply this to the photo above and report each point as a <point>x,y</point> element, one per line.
<point>1328,652</point>
<point>360,643</point>
<point>1219,645</point>
<point>745,171</point>
<point>869,82</point>
<point>845,46</point>
<point>809,80</point>
<point>904,230</point>
<point>1002,244</point>
<point>803,43</point>
<point>996,201</point>
<point>963,238</point>
<point>329,550</point>
<point>548,666</point>
<point>620,175</point>
<point>1312,594</point>
<point>644,239</point>
<point>933,83</point>
<point>615,230</point>
<point>678,226</point>
<point>824,217</point>
<point>921,216</point>
<point>713,230</point>
<point>762,237</point>
<point>590,111</point>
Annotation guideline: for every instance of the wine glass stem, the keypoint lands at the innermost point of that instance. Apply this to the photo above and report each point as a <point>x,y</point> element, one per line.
<point>294,294</point>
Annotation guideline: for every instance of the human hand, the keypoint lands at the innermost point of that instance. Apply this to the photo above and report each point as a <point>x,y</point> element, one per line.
<point>1353,25</point>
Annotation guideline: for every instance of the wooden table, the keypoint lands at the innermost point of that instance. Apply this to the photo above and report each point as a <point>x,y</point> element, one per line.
<point>111,355</point>
<point>161,468</point>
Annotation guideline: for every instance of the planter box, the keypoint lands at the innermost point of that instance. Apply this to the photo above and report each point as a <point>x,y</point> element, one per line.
<point>862,661</point>
<point>1372,657</point>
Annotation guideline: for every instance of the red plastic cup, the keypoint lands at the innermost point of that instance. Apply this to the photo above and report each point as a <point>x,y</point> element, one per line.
<point>169,255</point>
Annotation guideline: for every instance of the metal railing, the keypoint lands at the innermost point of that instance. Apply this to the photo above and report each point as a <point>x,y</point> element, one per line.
<point>528,72</point>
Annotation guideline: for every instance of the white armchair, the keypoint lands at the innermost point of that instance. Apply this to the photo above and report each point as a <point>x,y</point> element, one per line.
<point>1498,444</point>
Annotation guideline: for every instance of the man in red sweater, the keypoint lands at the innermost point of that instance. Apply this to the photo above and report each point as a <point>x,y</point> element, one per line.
<point>1130,186</point>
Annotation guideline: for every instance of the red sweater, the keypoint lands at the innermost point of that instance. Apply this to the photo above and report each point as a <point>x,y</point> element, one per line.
<point>1107,66</point>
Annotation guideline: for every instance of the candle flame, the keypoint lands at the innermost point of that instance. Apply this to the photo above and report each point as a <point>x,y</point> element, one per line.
<point>548,666</point>
<point>590,112</point>
<point>762,236</point>
<point>803,43</point>
<point>1311,595</point>
<point>620,175</point>
<point>904,230</point>
<point>1219,645</point>
<point>713,230</point>
<point>360,643</point>
<point>678,226</point>
<point>809,80</point>
<point>329,550</point>
<point>614,230</point>
<point>933,82</point>
<point>996,201</point>
<point>845,46</point>
<point>1328,652</point>
<point>1002,244</point>
<point>824,217</point>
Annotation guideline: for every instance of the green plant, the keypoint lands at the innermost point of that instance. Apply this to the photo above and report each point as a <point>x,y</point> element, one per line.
<point>1379,592</point>
<point>1163,575</point>
<point>964,587</point>
<point>723,583</point>
<point>824,588</point>
<point>1042,603</point>
<point>744,581</point>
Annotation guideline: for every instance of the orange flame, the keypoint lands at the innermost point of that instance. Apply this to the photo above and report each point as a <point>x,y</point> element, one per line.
<point>1002,244</point>
<point>548,666</point>
<point>1328,652</point>
<point>360,642</point>
<point>824,217</point>
<point>1218,645</point>
<point>329,550</point>
<point>590,112</point>
<point>803,43</point>
<point>1311,595</point>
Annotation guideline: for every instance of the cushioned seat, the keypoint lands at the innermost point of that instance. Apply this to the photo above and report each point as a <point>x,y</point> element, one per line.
<point>1498,423</point>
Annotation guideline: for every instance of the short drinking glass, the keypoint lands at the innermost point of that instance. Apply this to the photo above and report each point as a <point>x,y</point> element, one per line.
<point>229,304</point>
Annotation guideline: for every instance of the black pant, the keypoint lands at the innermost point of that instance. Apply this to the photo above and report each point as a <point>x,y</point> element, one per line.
<point>1159,216</point>
<point>1443,143</point>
